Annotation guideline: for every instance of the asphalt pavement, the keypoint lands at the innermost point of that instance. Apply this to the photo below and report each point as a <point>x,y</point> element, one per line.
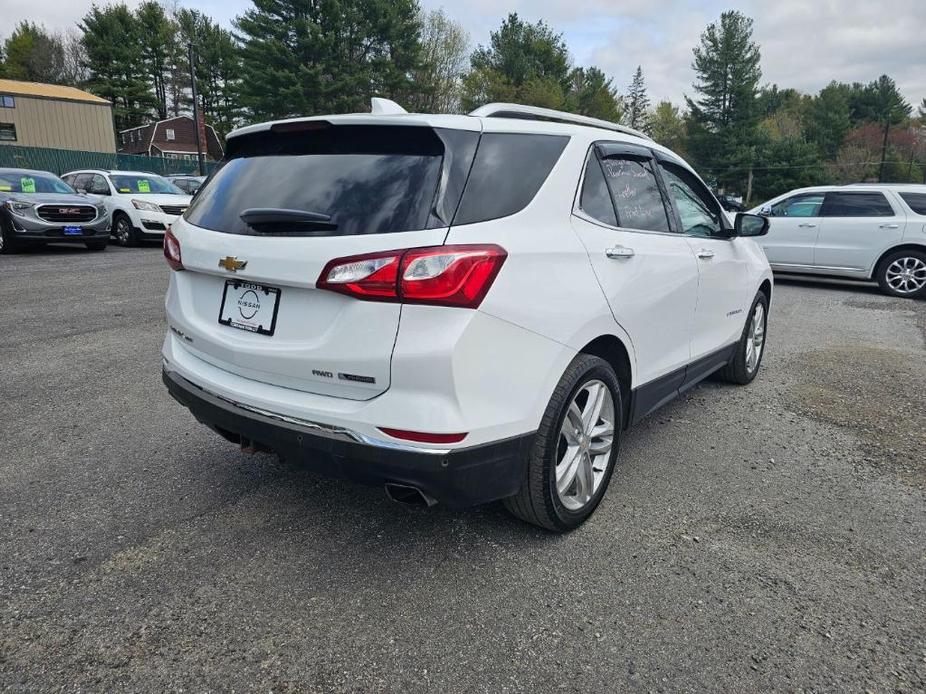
<point>769,537</point>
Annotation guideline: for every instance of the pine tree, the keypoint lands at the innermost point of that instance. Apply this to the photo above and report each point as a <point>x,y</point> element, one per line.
<point>637,114</point>
<point>157,34</point>
<point>115,64</point>
<point>723,119</point>
<point>301,57</point>
<point>884,105</point>
<point>591,94</point>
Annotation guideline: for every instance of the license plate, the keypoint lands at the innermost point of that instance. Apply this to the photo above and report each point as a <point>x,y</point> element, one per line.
<point>73,231</point>
<point>249,306</point>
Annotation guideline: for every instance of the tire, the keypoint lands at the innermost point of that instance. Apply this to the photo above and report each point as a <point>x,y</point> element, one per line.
<point>539,501</point>
<point>903,274</point>
<point>742,369</point>
<point>96,245</point>
<point>124,231</point>
<point>8,244</point>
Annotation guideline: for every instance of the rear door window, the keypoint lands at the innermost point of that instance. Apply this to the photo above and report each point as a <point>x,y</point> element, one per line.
<point>636,193</point>
<point>916,201</point>
<point>850,204</point>
<point>508,170</point>
<point>361,179</point>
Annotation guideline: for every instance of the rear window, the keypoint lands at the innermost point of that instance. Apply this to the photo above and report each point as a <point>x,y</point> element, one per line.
<point>363,179</point>
<point>856,205</point>
<point>916,201</point>
<point>507,173</point>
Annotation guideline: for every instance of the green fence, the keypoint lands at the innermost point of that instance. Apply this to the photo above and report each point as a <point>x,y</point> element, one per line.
<point>60,161</point>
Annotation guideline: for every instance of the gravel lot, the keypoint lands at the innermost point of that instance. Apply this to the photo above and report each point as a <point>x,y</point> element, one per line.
<point>768,537</point>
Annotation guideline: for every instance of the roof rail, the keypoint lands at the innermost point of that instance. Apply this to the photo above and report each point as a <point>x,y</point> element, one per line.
<point>502,110</point>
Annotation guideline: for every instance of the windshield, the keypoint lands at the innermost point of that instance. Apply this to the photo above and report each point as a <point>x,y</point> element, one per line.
<point>148,183</point>
<point>19,182</point>
<point>362,179</point>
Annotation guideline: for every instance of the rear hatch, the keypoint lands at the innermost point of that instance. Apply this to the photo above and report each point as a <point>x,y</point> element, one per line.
<point>285,202</point>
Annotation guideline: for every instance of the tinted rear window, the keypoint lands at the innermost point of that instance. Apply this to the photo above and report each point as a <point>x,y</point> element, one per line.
<point>368,179</point>
<point>507,173</point>
<point>916,201</point>
<point>856,205</point>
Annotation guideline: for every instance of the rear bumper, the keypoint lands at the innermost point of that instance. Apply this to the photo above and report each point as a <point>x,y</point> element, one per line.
<point>456,477</point>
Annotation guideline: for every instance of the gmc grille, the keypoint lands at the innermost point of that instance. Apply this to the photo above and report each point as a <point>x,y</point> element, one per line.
<point>173,209</point>
<point>66,213</point>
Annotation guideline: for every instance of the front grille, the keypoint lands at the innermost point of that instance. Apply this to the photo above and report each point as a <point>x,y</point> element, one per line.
<point>173,209</point>
<point>153,226</point>
<point>66,213</point>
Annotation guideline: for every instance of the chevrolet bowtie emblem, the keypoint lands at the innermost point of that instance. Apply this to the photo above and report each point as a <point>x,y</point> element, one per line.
<point>232,264</point>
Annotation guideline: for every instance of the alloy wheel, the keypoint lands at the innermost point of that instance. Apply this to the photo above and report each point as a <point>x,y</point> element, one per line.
<point>123,233</point>
<point>585,442</point>
<point>906,275</point>
<point>755,338</point>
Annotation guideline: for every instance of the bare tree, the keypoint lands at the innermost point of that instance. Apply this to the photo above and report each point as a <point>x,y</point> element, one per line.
<point>74,66</point>
<point>444,56</point>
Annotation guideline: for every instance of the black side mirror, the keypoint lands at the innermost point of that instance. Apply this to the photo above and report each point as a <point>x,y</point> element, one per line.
<point>750,224</point>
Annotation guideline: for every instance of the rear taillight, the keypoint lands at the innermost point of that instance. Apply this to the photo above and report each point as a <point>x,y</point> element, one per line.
<point>172,250</point>
<point>439,275</point>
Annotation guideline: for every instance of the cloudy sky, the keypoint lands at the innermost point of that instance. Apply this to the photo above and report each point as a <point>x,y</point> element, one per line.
<point>805,44</point>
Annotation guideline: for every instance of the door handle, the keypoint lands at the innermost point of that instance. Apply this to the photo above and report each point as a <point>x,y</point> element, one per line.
<point>889,226</point>
<point>807,225</point>
<point>619,252</point>
<point>705,254</point>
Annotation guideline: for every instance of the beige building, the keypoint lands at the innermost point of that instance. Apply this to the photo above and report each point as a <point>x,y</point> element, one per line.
<point>50,115</point>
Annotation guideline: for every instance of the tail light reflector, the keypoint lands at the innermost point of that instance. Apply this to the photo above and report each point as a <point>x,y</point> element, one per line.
<point>440,275</point>
<point>172,250</point>
<point>423,437</point>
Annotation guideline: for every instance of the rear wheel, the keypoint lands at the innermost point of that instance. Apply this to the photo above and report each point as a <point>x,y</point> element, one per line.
<point>903,274</point>
<point>123,230</point>
<point>573,456</point>
<point>751,348</point>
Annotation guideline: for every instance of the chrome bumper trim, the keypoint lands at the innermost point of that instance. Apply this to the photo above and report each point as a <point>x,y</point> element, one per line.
<point>317,428</point>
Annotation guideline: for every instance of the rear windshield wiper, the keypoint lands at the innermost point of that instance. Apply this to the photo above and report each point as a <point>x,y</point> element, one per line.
<point>277,220</point>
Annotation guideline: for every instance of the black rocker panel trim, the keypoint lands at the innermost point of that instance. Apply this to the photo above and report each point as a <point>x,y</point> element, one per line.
<point>651,396</point>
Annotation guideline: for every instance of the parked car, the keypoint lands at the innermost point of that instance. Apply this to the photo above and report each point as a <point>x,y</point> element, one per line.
<point>730,203</point>
<point>460,308</point>
<point>37,207</point>
<point>864,232</point>
<point>188,184</point>
<point>142,205</point>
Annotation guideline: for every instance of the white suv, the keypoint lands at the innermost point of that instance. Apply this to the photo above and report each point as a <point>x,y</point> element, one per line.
<point>142,205</point>
<point>863,231</point>
<point>460,308</point>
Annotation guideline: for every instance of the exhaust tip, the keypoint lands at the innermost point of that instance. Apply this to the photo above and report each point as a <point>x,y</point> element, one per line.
<point>408,495</point>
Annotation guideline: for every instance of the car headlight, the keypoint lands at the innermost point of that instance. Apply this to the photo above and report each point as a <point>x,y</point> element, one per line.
<point>18,207</point>
<point>144,205</point>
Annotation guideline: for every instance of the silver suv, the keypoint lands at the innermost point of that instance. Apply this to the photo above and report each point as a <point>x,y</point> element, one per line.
<point>862,231</point>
